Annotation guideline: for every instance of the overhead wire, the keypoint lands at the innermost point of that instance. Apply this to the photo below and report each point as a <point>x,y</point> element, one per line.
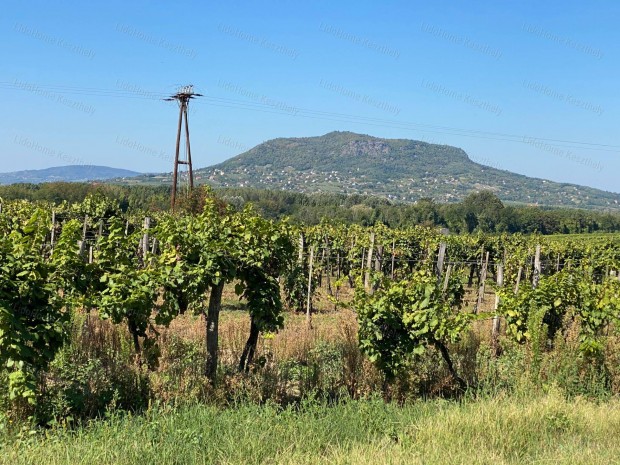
<point>404,123</point>
<point>290,110</point>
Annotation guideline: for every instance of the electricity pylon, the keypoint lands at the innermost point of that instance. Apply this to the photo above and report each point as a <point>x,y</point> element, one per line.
<point>183,96</point>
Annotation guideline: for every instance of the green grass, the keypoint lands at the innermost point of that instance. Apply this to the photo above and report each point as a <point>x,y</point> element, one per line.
<point>515,430</point>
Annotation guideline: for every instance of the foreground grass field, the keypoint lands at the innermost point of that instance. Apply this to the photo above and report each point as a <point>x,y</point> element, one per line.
<point>516,430</point>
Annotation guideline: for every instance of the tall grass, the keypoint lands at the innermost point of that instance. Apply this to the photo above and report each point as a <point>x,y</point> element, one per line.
<point>96,373</point>
<point>502,430</point>
<point>311,397</point>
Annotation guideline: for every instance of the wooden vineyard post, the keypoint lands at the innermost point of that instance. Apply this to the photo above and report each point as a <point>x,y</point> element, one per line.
<point>309,302</point>
<point>145,238</point>
<point>328,267</point>
<point>481,288</point>
<point>378,264</point>
<point>446,279</point>
<point>519,273</point>
<point>537,268</point>
<point>480,264</point>
<point>440,259</point>
<point>369,262</point>
<point>84,228</point>
<point>393,258</point>
<point>82,243</point>
<point>379,258</point>
<point>154,247</point>
<point>496,322</point>
<point>300,256</point>
<point>53,235</point>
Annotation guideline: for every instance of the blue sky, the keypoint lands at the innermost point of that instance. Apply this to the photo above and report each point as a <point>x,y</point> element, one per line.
<point>81,81</point>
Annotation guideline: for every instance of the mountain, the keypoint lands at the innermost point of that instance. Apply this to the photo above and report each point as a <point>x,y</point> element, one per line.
<point>399,169</point>
<point>71,173</point>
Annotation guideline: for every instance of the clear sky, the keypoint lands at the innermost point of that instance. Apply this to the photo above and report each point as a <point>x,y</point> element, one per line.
<point>526,86</point>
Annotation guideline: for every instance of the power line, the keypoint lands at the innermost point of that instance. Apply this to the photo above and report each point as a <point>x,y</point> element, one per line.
<point>410,125</point>
<point>139,93</point>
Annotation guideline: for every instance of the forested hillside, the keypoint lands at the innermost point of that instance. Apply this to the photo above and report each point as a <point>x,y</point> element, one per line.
<point>397,169</point>
<point>71,173</point>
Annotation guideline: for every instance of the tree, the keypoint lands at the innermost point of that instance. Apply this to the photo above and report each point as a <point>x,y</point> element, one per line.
<point>482,211</point>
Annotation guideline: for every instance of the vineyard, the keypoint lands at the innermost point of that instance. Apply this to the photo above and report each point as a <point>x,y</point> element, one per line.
<point>88,288</point>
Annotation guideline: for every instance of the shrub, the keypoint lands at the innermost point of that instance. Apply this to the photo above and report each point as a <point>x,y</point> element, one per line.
<point>401,319</point>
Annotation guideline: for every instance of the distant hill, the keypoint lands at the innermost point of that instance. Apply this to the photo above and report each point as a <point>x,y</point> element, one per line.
<point>71,173</point>
<point>399,169</point>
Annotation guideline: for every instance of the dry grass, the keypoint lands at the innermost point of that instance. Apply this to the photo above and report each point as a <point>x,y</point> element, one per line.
<point>294,341</point>
<point>297,345</point>
<point>325,360</point>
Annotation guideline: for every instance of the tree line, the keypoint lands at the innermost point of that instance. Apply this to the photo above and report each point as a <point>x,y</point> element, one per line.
<point>478,212</point>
